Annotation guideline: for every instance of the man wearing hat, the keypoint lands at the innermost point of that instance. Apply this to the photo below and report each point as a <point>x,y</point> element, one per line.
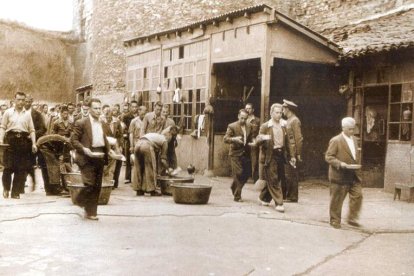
<point>293,127</point>
<point>344,174</point>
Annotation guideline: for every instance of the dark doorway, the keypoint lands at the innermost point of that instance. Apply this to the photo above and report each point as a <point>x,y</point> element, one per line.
<point>237,83</point>
<point>374,128</point>
<point>314,88</point>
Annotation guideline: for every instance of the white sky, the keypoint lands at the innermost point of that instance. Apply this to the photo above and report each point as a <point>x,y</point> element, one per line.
<point>55,15</point>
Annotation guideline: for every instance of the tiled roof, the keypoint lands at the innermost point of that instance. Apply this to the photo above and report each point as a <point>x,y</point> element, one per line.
<point>387,33</point>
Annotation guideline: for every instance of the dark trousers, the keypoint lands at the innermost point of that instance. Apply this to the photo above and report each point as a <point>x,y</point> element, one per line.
<point>19,177</point>
<point>127,154</point>
<point>254,157</point>
<point>338,193</point>
<point>274,174</point>
<point>290,187</point>
<point>16,161</point>
<point>117,172</point>
<point>240,166</point>
<point>92,173</point>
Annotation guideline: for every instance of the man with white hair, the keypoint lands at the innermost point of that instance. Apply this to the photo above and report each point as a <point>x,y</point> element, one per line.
<point>344,174</point>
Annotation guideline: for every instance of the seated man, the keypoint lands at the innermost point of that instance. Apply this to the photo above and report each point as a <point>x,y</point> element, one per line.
<point>146,150</point>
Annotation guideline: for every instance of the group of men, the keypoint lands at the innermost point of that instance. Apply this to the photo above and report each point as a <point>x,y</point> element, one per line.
<point>269,153</point>
<point>98,134</point>
<point>280,142</point>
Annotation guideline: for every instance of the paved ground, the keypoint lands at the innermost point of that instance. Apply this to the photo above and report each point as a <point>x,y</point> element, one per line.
<point>42,235</point>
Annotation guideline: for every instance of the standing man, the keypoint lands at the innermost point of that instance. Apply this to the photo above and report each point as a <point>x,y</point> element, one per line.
<point>238,135</point>
<point>274,153</point>
<point>290,187</point>
<point>71,111</point>
<point>92,151</point>
<point>17,130</point>
<point>343,152</point>
<point>126,120</point>
<point>153,121</point>
<point>135,127</point>
<point>40,130</point>
<point>172,144</point>
<point>254,151</point>
<point>84,112</point>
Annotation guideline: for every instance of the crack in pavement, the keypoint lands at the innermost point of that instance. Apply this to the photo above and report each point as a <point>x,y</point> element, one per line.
<point>330,257</point>
<point>25,204</point>
<point>258,215</point>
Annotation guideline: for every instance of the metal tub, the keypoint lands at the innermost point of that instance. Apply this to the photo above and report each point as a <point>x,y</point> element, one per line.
<point>165,182</point>
<point>184,193</point>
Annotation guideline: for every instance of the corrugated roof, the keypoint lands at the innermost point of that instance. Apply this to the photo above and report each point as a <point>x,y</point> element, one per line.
<point>387,33</point>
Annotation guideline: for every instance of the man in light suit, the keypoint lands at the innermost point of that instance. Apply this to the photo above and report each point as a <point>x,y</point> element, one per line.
<point>275,151</point>
<point>239,135</point>
<point>88,138</point>
<point>342,156</point>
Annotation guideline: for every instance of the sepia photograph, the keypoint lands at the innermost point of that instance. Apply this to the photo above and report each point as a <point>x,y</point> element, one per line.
<point>206,137</point>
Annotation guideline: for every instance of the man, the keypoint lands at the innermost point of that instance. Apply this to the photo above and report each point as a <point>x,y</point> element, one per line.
<point>342,153</point>
<point>290,187</point>
<point>63,127</point>
<point>238,135</point>
<point>45,114</point>
<point>84,113</point>
<point>126,119</point>
<point>92,149</point>
<point>71,111</point>
<point>171,155</point>
<point>17,130</point>
<point>40,130</point>
<point>153,122</point>
<point>3,108</point>
<point>147,149</point>
<point>135,127</point>
<point>254,151</point>
<point>112,128</point>
<point>274,151</point>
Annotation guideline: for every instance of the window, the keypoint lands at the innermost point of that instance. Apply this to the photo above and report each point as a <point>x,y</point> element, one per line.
<point>400,112</point>
<point>188,110</point>
<point>181,52</point>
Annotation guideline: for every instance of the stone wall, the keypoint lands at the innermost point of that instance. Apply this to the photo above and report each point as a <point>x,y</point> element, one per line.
<point>37,62</point>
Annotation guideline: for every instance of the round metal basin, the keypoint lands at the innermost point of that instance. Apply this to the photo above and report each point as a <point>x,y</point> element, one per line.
<point>104,195</point>
<point>165,182</point>
<point>191,193</point>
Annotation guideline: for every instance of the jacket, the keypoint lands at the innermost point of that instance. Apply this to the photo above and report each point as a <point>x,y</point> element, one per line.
<point>338,151</point>
<point>234,130</point>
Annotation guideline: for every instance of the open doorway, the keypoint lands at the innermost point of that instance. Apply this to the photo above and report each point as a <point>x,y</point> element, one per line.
<point>236,83</point>
<point>374,128</point>
<point>314,88</point>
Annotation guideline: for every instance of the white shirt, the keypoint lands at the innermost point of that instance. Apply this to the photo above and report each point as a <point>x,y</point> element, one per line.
<point>244,134</point>
<point>97,133</point>
<point>351,145</point>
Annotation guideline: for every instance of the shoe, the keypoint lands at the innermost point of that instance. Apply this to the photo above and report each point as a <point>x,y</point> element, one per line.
<point>127,181</point>
<point>336,225</point>
<point>92,217</point>
<point>291,200</point>
<point>280,208</point>
<point>155,193</point>
<point>263,203</point>
<point>87,216</point>
<point>140,193</point>
<point>238,200</point>
<point>5,193</point>
<point>15,196</point>
<point>353,223</point>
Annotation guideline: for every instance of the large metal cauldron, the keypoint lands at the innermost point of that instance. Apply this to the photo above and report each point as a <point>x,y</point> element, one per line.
<point>191,193</point>
<point>74,183</point>
<point>165,182</point>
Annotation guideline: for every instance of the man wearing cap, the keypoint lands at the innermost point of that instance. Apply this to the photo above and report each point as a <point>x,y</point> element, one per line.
<point>293,127</point>
<point>254,151</point>
<point>17,130</point>
<point>343,158</point>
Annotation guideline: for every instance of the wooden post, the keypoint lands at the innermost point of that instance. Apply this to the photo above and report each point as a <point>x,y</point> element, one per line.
<point>266,65</point>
